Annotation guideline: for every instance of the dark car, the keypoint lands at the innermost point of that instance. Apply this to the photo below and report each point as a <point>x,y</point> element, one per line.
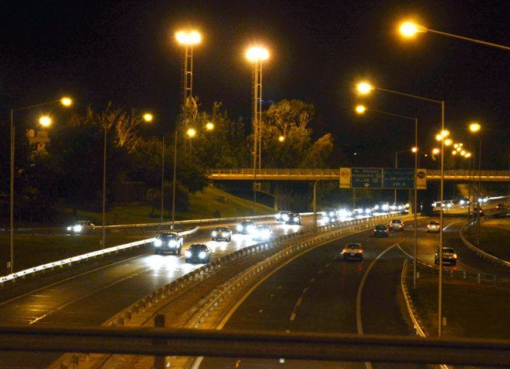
<point>283,216</point>
<point>294,218</point>
<point>449,256</point>
<point>478,212</point>
<point>168,242</point>
<point>197,253</point>
<point>352,251</point>
<point>381,231</point>
<point>221,233</point>
<point>246,227</point>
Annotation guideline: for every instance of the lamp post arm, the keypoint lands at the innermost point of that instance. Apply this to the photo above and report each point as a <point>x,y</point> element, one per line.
<point>408,95</point>
<point>470,39</point>
<point>36,105</point>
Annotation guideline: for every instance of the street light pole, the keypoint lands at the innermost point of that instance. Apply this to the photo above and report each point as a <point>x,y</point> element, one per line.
<point>65,101</point>
<point>187,39</point>
<point>162,179</point>
<point>314,205</point>
<point>103,245</point>
<point>365,88</point>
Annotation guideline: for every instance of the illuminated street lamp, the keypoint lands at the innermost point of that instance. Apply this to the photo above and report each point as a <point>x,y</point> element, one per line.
<point>281,138</point>
<point>45,122</point>
<point>448,142</point>
<point>209,126</point>
<point>475,127</point>
<point>257,55</point>
<point>191,132</point>
<point>410,29</point>
<point>435,151</point>
<point>414,149</point>
<point>148,117</point>
<point>365,88</point>
<point>360,109</point>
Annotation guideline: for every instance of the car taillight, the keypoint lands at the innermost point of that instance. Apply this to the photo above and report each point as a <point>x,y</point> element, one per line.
<point>400,225</point>
<point>386,230</point>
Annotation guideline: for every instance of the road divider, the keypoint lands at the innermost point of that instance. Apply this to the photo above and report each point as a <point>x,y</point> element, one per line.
<point>76,259</point>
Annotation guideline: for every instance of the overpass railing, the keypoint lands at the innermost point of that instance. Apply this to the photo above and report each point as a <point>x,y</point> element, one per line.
<point>335,173</point>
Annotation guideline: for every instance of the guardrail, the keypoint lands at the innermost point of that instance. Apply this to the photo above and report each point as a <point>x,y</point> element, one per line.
<point>157,225</point>
<point>479,252</point>
<point>69,261</point>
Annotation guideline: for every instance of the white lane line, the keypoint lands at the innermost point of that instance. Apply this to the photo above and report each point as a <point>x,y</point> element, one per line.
<point>305,290</point>
<point>312,280</point>
<point>319,272</point>
<point>299,301</point>
<point>293,316</point>
<point>360,290</point>
<point>327,265</point>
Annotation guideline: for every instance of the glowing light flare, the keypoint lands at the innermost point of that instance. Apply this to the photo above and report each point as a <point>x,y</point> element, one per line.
<point>191,132</point>
<point>281,138</point>
<point>188,37</point>
<point>148,117</point>
<point>410,29</point>
<point>445,133</point>
<point>364,88</point>
<point>448,142</point>
<point>360,109</point>
<point>468,155</point>
<point>66,101</point>
<point>439,137</point>
<point>454,152</point>
<point>414,149</point>
<point>45,121</point>
<point>255,54</point>
<point>475,127</point>
<point>209,126</point>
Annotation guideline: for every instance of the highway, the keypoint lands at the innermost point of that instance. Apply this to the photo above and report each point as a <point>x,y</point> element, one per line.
<point>94,296</point>
<point>315,293</point>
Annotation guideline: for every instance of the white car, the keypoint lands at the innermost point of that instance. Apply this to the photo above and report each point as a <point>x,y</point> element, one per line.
<point>81,226</point>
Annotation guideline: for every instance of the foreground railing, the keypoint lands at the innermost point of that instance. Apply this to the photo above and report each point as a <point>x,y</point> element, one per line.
<point>262,345</point>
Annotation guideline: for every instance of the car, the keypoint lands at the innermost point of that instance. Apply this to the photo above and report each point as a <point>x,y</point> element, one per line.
<point>283,216</point>
<point>381,231</point>
<point>396,225</point>
<point>449,256</point>
<point>168,242</point>
<point>246,227</point>
<point>501,206</point>
<point>294,218</point>
<point>197,253</point>
<point>352,251</point>
<point>81,226</point>
<point>262,233</point>
<point>330,213</point>
<point>433,227</point>
<point>221,233</point>
<point>478,212</point>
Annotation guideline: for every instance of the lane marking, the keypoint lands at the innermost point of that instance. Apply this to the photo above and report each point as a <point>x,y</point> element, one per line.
<point>293,316</point>
<point>360,290</point>
<point>312,280</point>
<point>305,290</point>
<point>299,301</point>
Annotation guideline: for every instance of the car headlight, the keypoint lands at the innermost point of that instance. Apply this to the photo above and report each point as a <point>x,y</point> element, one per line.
<point>296,219</point>
<point>239,227</point>
<point>266,234</point>
<point>326,219</point>
<point>158,243</point>
<point>187,254</point>
<point>172,243</point>
<point>285,217</point>
<point>224,234</point>
<point>69,228</point>
<point>202,255</point>
<point>214,234</point>
<point>278,216</point>
<point>77,228</point>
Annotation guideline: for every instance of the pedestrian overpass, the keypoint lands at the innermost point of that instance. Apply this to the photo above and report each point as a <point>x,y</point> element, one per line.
<point>334,175</point>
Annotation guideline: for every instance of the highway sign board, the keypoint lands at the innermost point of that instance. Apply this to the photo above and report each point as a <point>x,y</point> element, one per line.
<point>345,177</point>
<point>421,180</point>
<point>366,178</point>
<point>398,178</point>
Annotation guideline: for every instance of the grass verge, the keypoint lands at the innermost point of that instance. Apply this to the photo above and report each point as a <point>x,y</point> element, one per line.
<point>494,236</point>
<point>471,310</point>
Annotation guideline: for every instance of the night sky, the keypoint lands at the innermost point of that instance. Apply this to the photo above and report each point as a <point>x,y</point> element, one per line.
<point>125,52</point>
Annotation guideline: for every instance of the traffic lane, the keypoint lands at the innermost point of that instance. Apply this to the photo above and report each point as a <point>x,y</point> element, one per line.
<point>317,292</point>
<point>101,293</point>
<point>381,309</point>
<point>467,257</point>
